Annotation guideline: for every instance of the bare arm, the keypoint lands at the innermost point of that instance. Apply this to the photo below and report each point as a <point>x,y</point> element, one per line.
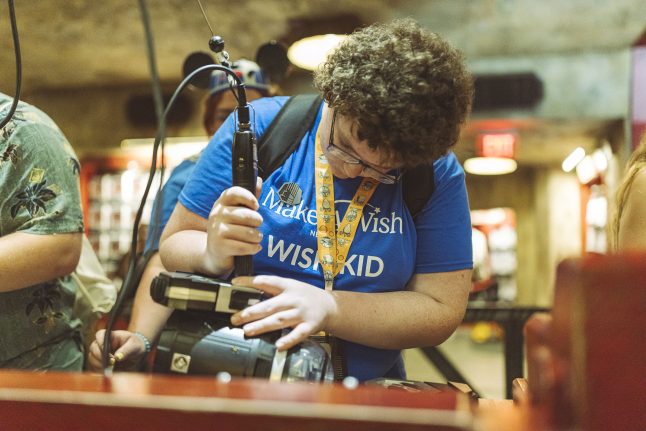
<point>183,241</point>
<point>632,228</point>
<point>27,259</point>
<point>149,317</point>
<point>423,315</point>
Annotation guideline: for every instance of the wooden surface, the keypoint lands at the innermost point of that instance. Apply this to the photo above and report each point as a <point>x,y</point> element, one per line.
<point>590,380</point>
<point>74,401</point>
<point>586,362</point>
<point>599,341</point>
<point>504,415</point>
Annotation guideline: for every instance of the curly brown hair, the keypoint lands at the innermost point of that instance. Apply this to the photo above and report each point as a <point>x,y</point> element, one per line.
<point>407,88</point>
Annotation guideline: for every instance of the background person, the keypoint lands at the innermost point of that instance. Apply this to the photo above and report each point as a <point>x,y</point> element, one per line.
<point>629,224</point>
<point>41,228</point>
<point>148,317</point>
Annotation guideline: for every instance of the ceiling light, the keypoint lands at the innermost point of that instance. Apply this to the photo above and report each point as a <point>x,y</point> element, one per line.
<point>310,52</point>
<point>490,165</point>
<point>586,170</point>
<point>489,217</point>
<point>573,159</point>
<point>176,149</point>
<point>600,160</point>
<point>495,153</point>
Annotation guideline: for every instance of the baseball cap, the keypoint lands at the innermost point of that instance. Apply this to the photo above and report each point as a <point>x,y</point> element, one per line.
<point>248,71</point>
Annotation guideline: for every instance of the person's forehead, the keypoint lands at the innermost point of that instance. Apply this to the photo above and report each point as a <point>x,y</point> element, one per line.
<point>227,101</point>
<point>348,129</point>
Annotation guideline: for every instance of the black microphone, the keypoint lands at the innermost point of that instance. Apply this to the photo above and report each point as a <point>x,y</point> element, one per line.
<point>244,160</point>
<point>244,164</point>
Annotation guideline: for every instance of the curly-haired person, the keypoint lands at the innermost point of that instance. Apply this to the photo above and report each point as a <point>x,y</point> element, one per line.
<point>347,257</point>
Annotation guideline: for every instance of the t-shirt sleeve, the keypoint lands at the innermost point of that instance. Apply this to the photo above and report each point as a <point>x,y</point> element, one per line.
<point>165,202</point>
<point>40,183</point>
<point>444,225</point>
<point>212,173</point>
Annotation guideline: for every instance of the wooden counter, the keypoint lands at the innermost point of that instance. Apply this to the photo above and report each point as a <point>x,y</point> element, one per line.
<point>133,401</point>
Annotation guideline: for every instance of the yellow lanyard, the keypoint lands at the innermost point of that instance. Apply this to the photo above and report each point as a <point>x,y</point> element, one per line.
<point>333,246</point>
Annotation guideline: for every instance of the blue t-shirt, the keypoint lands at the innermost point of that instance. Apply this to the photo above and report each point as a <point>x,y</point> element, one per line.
<point>167,198</point>
<point>388,247</point>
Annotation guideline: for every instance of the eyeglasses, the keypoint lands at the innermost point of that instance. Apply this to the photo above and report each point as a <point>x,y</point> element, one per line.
<point>348,158</point>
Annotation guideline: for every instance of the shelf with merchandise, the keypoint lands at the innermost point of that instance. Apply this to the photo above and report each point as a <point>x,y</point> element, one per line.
<point>112,191</point>
<point>112,186</point>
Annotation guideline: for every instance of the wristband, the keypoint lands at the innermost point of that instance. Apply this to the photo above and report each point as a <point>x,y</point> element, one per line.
<point>147,345</point>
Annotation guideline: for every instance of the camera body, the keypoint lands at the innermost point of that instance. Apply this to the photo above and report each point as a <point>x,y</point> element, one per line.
<point>202,343</point>
<point>209,352</point>
<point>194,292</point>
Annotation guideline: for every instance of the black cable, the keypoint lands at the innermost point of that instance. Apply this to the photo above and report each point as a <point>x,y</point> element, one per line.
<point>152,63</point>
<point>16,47</point>
<point>159,107</point>
<point>128,281</point>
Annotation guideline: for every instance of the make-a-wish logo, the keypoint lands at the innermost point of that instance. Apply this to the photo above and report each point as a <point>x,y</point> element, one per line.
<point>371,220</point>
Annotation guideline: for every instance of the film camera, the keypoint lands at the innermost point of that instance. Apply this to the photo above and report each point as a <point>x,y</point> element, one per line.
<point>204,344</point>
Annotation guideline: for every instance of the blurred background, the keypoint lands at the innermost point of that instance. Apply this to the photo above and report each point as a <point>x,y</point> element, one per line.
<point>559,103</point>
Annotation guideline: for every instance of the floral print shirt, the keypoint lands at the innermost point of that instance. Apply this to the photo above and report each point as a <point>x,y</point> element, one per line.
<point>39,194</point>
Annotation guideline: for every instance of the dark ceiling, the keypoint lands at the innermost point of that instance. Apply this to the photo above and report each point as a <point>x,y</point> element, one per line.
<point>84,43</point>
<point>89,43</point>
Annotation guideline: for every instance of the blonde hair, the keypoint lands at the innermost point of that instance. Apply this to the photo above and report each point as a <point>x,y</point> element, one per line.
<point>635,164</point>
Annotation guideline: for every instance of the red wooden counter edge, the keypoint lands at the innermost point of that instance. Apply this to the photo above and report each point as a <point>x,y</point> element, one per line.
<point>247,397</point>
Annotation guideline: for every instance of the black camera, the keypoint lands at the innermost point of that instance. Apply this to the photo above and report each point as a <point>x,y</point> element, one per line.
<point>192,292</point>
<point>200,342</point>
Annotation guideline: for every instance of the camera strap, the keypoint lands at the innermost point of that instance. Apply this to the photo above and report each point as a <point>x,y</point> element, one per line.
<point>332,346</point>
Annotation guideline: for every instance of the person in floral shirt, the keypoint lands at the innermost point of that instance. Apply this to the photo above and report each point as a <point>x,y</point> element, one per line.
<point>41,228</point>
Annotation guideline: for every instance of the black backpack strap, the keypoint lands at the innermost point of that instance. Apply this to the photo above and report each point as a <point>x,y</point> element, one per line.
<point>285,132</point>
<point>418,185</point>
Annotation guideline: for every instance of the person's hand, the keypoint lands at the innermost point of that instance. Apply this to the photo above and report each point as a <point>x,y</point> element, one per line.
<point>294,304</point>
<point>127,350</point>
<point>233,228</point>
